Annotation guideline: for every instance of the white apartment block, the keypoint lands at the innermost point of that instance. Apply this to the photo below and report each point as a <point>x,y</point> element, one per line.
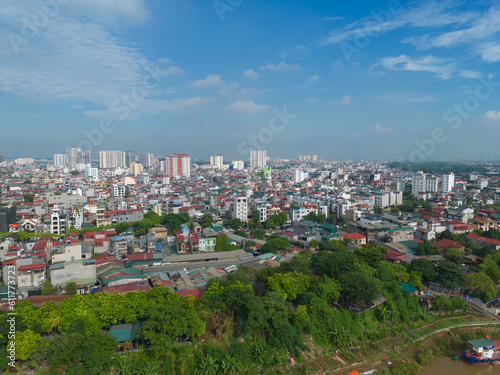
<point>217,160</point>
<point>60,160</point>
<point>418,183</point>
<point>431,184</point>
<point>178,165</point>
<point>240,208</point>
<point>299,212</point>
<point>111,159</point>
<point>258,158</point>
<point>117,190</point>
<point>382,199</point>
<point>447,182</point>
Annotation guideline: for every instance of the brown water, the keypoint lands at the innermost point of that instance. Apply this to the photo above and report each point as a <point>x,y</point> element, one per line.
<point>445,366</point>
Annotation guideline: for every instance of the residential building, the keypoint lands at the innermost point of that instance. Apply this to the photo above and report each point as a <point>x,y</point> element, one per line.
<point>136,169</point>
<point>129,158</point>
<point>258,158</point>
<point>60,160</point>
<point>147,160</point>
<point>178,165</point>
<point>217,160</point>
<point>117,191</point>
<point>111,159</point>
<point>418,183</point>
<point>240,208</point>
<point>447,182</point>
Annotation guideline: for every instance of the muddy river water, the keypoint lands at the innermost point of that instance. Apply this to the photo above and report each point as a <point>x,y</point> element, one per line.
<point>445,366</point>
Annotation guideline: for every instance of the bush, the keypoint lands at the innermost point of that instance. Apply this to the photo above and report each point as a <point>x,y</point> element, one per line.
<point>425,357</point>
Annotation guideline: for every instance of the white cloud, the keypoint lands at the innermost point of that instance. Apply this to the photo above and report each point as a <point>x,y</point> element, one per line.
<point>492,116</point>
<point>77,62</point>
<point>490,52</point>
<point>443,68</point>
<point>483,26</point>
<point>246,106</point>
<point>380,129</point>
<point>429,14</point>
<point>333,18</point>
<point>357,134</point>
<point>211,81</point>
<point>346,100</point>
<point>281,67</point>
<point>134,10</point>
<point>409,98</point>
<point>250,73</point>
<point>310,81</point>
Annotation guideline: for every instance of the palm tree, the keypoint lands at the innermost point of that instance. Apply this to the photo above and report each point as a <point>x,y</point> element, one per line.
<point>123,367</point>
<point>230,365</point>
<point>148,368</point>
<point>208,366</point>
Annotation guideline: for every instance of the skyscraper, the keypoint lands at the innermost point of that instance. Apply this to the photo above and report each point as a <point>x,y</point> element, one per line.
<point>129,158</point>
<point>147,160</point>
<point>217,160</point>
<point>178,165</point>
<point>60,160</point>
<point>84,157</point>
<point>258,158</point>
<point>111,159</point>
<point>447,182</point>
<point>72,157</point>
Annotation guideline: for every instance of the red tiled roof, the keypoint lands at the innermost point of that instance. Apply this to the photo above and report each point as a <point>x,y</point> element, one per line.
<point>354,236</point>
<point>31,267</point>
<point>484,239</point>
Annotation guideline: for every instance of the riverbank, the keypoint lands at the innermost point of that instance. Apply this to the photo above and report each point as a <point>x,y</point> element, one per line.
<point>445,337</point>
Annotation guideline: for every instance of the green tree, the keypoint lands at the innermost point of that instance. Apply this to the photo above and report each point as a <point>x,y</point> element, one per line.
<point>313,243</point>
<point>454,254</point>
<point>450,275</point>
<point>177,317</point>
<point>70,288</point>
<point>424,268</point>
<point>206,220</point>
<point>491,267</point>
<point>234,223</point>
<point>258,234</point>
<point>335,264</point>
<point>426,248</point>
<point>272,245</point>
<point>289,285</point>
<point>25,342</point>
<point>269,223</point>
<point>357,288</point>
<point>481,285</point>
<point>28,198</point>
<point>222,243</point>
<point>48,288</point>
<point>256,217</point>
<point>241,233</point>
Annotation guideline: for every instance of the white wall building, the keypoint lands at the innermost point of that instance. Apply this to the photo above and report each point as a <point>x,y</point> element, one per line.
<point>240,208</point>
<point>418,183</point>
<point>447,182</point>
<point>258,158</point>
<point>217,160</point>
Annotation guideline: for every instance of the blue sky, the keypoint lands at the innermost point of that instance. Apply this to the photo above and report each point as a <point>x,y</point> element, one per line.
<point>343,80</point>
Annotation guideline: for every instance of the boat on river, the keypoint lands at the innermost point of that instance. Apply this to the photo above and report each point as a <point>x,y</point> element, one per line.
<point>482,351</point>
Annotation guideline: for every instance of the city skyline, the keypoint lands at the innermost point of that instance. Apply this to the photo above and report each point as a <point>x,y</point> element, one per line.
<point>372,80</point>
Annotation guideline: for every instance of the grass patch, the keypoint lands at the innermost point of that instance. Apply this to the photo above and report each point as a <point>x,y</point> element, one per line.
<point>394,354</point>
